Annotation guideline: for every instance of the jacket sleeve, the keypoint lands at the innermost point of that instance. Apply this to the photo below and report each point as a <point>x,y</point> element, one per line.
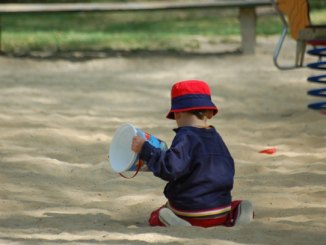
<point>171,164</point>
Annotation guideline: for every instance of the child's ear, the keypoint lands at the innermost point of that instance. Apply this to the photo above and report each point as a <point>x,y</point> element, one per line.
<point>177,115</point>
<point>209,114</point>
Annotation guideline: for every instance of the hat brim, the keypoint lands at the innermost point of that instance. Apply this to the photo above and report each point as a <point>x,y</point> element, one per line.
<point>170,114</point>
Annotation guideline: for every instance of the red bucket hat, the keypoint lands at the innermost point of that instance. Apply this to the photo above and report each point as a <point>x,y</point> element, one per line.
<point>190,95</point>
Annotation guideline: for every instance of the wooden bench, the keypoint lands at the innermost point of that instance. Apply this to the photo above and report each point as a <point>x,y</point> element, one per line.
<point>247,12</point>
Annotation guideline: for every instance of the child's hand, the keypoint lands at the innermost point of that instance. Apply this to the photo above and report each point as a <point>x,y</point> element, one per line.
<point>137,143</point>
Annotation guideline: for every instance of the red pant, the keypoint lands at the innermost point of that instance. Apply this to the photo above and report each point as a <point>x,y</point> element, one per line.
<point>228,220</point>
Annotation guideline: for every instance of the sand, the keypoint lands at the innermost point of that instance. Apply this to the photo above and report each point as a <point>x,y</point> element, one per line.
<point>58,116</point>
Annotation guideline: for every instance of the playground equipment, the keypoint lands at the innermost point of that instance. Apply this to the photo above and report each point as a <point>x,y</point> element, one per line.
<point>320,65</point>
<point>295,18</point>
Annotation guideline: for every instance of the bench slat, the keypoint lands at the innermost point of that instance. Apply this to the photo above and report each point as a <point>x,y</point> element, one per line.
<point>92,7</point>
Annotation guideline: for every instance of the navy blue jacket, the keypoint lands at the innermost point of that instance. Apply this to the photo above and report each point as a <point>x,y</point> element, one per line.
<point>198,167</point>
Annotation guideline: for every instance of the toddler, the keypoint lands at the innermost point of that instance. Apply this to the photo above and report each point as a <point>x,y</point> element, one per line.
<point>198,166</point>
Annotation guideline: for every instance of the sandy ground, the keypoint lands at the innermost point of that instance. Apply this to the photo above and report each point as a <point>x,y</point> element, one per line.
<point>57,119</point>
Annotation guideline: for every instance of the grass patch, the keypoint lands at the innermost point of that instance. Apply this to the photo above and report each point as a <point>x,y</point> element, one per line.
<point>159,30</point>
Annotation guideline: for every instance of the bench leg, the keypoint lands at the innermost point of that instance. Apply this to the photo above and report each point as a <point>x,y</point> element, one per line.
<point>0,35</point>
<point>248,21</point>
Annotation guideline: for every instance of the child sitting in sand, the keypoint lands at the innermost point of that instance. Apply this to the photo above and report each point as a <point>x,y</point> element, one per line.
<point>198,166</point>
